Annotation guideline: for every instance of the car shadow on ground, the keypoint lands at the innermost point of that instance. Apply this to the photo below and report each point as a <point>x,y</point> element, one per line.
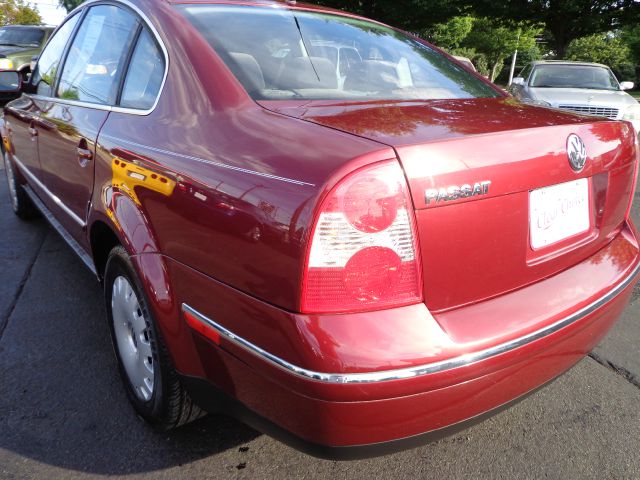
<point>62,402</point>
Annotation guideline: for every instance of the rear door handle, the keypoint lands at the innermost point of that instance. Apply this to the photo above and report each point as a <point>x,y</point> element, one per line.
<point>84,154</point>
<point>33,131</point>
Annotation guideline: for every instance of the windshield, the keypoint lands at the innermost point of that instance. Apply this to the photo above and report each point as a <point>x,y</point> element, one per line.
<point>278,53</point>
<point>27,37</point>
<point>573,76</point>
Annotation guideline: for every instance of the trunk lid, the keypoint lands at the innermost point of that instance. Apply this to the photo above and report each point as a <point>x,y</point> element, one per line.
<point>478,246</point>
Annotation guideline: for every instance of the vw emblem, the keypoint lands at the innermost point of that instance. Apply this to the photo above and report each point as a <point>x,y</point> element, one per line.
<point>577,152</point>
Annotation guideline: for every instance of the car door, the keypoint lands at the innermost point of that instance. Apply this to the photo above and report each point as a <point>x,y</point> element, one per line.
<point>70,119</point>
<point>22,114</point>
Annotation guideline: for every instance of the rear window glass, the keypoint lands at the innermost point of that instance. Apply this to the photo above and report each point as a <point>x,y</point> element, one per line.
<point>277,53</point>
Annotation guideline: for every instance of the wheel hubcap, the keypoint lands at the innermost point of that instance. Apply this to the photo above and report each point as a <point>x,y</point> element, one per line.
<point>13,192</point>
<point>133,337</point>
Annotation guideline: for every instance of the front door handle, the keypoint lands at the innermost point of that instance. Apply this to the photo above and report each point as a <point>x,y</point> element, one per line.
<point>84,153</point>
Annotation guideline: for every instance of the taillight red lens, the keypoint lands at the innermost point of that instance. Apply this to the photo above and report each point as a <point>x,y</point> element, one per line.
<point>371,205</point>
<point>363,252</point>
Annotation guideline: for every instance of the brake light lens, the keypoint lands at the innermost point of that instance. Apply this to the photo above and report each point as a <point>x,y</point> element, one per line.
<point>363,252</point>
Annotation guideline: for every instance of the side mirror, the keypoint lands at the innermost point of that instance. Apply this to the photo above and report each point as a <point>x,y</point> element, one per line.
<point>32,65</point>
<point>517,81</point>
<point>626,85</point>
<point>10,82</point>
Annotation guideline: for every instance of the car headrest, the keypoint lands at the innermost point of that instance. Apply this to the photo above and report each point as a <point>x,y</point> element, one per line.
<point>250,68</point>
<point>308,72</point>
<point>373,75</point>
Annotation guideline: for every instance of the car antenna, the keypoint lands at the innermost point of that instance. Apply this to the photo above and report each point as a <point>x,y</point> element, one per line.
<point>305,47</point>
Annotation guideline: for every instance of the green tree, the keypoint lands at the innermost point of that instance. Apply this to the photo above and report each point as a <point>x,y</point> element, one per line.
<point>631,37</point>
<point>411,15</point>
<point>605,48</point>
<point>17,12</point>
<point>450,34</point>
<point>566,20</point>
<point>70,4</point>
<point>497,40</point>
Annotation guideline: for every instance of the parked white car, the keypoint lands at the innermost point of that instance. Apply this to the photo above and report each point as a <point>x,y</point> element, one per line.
<point>586,88</point>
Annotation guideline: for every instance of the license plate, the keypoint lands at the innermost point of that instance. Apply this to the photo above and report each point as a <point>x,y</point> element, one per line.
<point>558,212</point>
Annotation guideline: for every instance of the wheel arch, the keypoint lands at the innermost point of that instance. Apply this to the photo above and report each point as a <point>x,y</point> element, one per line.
<point>121,222</point>
<point>102,239</point>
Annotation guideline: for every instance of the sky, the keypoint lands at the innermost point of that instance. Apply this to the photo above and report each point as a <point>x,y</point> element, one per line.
<point>50,11</point>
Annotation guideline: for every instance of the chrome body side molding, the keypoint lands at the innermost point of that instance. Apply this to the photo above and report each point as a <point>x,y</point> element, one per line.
<point>419,370</point>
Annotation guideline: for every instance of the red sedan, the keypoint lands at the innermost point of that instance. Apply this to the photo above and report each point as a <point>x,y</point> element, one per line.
<point>317,223</point>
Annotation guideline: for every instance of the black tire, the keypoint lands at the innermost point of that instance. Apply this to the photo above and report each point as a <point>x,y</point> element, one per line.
<point>20,201</point>
<point>169,405</point>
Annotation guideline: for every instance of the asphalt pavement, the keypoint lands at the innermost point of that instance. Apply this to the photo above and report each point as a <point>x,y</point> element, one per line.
<point>64,413</point>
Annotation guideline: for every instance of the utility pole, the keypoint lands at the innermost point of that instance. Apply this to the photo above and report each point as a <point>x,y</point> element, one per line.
<point>513,60</point>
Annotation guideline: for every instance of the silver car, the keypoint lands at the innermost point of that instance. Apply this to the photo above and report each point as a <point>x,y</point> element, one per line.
<point>586,88</point>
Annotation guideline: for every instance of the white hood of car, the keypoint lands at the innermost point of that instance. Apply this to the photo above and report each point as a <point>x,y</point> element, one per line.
<point>582,96</point>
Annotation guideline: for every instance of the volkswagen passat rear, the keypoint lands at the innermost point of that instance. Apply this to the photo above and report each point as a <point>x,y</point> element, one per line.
<point>355,253</point>
<point>487,255</point>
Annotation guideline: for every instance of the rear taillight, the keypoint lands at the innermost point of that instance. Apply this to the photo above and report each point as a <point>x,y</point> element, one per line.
<point>363,251</point>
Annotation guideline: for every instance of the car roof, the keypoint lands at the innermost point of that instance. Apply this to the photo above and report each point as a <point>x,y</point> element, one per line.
<point>566,62</point>
<point>274,3</point>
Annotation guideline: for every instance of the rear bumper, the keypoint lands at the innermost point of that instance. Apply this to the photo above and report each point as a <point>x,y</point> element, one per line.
<point>215,400</point>
<point>354,412</point>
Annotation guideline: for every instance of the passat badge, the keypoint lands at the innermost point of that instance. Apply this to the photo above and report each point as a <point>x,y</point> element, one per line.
<point>456,192</point>
<point>577,152</point>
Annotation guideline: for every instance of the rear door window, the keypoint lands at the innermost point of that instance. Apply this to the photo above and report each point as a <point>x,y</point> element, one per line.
<point>97,55</point>
<point>145,74</point>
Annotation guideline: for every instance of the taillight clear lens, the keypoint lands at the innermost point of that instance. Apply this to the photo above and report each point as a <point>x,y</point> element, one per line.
<point>363,253</point>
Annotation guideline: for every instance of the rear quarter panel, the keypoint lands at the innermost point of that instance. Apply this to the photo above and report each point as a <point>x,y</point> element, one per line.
<point>216,167</point>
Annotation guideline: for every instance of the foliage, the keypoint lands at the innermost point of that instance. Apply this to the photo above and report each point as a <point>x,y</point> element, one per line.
<point>451,34</point>
<point>70,4</point>
<point>485,41</point>
<point>410,15</point>
<point>497,41</point>
<point>482,64</point>
<point>17,12</point>
<point>631,37</point>
<point>566,20</point>
<point>608,49</point>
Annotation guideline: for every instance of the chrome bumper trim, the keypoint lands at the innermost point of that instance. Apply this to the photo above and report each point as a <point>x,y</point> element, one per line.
<point>419,370</point>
